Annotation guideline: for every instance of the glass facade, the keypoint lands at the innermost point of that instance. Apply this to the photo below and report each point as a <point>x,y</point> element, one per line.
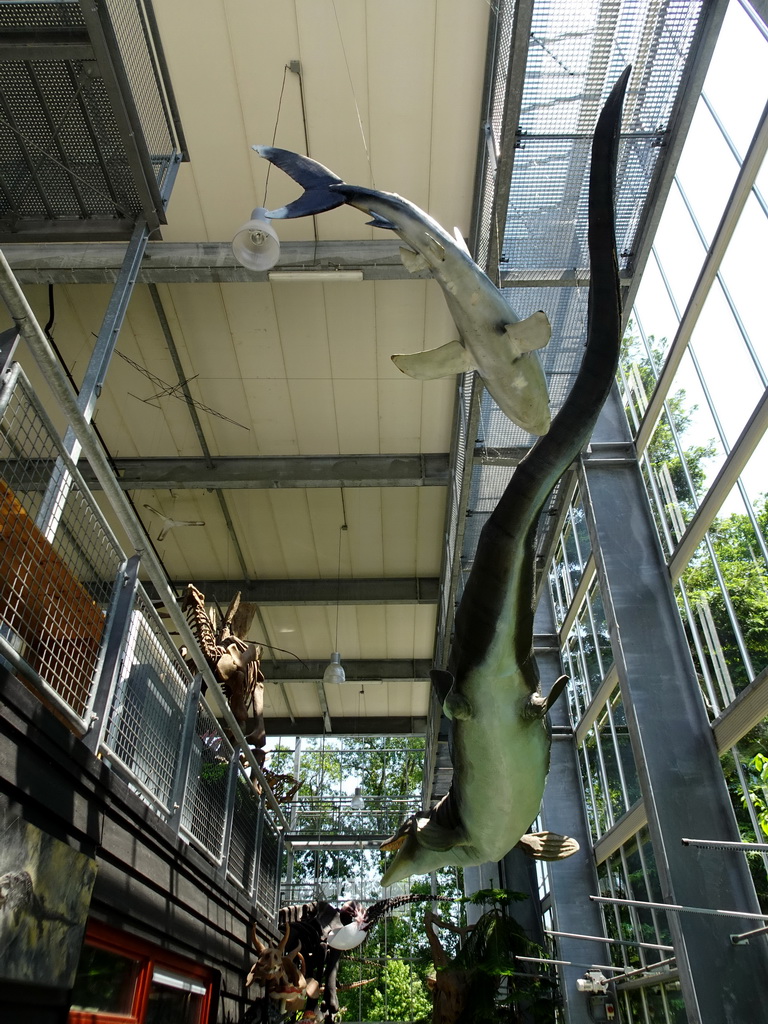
<point>693,386</point>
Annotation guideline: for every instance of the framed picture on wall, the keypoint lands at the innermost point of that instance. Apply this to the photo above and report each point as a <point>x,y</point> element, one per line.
<point>45,894</point>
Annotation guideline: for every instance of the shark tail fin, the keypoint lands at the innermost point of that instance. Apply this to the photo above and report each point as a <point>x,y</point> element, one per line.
<point>315,179</point>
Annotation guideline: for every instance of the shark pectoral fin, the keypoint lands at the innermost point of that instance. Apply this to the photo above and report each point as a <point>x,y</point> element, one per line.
<point>435,362</point>
<point>396,841</point>
<point>457,706</point>
<point>547,846</point>
<point>530,334</point>
<point>442,828</point>
<point>377,221</point>
<point>557,688</point>
<point>538,706</point>
<point>442,682</point>
<point>413,262</point>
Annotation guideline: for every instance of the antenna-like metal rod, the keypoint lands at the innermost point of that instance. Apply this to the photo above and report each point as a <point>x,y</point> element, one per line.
<point>614,942</point>
<point>681,909</point>
<point>716,844</point>
<point>743,939</point>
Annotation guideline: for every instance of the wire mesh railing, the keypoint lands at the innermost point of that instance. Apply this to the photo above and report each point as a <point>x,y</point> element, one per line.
<point>107,664</point>
<point>58,560</point>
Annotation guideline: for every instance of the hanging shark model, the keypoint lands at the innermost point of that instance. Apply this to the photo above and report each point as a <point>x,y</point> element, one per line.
<point>499,717</point>
<point>493,340</point>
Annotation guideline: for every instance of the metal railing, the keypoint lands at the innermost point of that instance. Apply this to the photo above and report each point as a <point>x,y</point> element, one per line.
<point>78,626</point>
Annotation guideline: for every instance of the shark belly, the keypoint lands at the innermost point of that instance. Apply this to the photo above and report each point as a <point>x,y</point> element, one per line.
<point>498,797</point>
<point>514,379</point>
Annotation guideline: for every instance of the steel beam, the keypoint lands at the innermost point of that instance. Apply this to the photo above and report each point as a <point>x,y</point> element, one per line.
<point>290,593</point>
<point>680,776</point>
<point>428,470</point>
<point>357,671</point>
<point>195,262</point>
<point>396,725</point>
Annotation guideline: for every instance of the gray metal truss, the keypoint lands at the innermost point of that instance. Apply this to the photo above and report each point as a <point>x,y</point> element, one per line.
<point>364,726</point>
<point>427,470</point>
<point>196,262</point>
<point>385,590</point>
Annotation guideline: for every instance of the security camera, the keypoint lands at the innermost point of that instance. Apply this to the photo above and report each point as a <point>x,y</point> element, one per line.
<point>593,981</point>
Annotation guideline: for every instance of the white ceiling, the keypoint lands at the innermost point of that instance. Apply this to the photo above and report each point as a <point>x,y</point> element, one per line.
<point>392,95</point>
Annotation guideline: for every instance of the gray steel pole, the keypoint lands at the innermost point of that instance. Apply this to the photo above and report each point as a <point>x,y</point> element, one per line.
<point>563,812</point>
<point>680,776</point>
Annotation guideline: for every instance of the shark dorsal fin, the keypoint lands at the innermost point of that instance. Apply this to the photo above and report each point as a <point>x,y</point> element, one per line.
<point>461,242</point>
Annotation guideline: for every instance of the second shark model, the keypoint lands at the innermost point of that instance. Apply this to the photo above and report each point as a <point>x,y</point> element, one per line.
<point>493,340</point>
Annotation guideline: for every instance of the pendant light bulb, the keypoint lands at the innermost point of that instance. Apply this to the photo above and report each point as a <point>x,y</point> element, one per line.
<point>334,673</point>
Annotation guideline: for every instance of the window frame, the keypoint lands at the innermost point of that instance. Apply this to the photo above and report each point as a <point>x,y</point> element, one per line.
<point>111,940</point>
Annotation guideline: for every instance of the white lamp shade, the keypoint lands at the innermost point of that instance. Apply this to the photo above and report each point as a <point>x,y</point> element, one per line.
<point>256,245</point>
<point>334,673</point>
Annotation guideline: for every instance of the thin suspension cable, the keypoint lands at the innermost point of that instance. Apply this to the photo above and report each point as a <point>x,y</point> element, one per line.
<point>354,96</point>
<point>274,130</point>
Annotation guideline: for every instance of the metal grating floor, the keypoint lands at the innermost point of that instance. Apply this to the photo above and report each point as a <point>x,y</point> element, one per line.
<point>87,140</point>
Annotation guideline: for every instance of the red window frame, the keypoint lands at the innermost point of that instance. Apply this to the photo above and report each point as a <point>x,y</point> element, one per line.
<point>149,957</point>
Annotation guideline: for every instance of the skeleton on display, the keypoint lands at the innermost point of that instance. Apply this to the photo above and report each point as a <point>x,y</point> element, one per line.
<point>234,663</point>
<point>325,931</point>
<point>278,975</point>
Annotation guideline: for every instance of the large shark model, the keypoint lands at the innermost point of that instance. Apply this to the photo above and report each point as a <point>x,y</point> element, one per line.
<point>493,340</point>
<point>500,730</point>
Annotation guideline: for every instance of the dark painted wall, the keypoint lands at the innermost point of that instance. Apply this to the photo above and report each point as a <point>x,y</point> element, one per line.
<point>149,882</point>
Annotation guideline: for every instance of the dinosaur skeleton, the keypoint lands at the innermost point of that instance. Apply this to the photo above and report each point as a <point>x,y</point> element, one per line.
<point>234,663</point>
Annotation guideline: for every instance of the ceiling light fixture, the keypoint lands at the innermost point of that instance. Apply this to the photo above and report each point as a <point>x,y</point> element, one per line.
<point>317,276</point>
<point>357,803</point>
<point>335,673</point>
<point>256,245</point>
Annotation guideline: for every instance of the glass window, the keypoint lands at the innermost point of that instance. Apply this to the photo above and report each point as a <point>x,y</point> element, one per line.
<point>679,249</point>
<point>738,99</point>
<point>707,193</point>
<point>742,270</point>
<point>106,982</point>
<point>122,979</point>
<point>173,999</point>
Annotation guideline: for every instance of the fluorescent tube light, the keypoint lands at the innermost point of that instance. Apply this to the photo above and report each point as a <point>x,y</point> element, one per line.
<point>320,276</point>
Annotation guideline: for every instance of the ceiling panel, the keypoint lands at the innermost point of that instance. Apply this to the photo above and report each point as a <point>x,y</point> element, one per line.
<point>392,94</point>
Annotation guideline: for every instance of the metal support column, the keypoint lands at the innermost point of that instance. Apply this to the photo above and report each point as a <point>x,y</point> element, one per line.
<point>680,775</point>
<point>8,341</point>
<point>185,752</point>
<point>571,880</point>
<point>115,634</point>
<point>52,506</point>
<point>106,342</point>
<point>229,813</point>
